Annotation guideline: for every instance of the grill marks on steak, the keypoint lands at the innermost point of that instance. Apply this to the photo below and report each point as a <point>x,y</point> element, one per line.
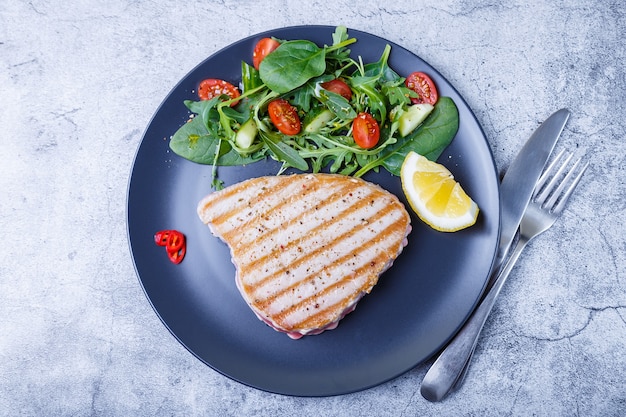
<point>306,247</point>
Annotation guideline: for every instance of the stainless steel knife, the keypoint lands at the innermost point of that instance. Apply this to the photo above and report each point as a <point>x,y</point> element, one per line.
<point>516,190</point>
<point>519,181</point>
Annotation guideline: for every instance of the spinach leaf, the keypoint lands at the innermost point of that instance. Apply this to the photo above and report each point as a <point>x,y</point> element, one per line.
<point>198,143</point>
<point>195,142</point>
<point>292,64</point>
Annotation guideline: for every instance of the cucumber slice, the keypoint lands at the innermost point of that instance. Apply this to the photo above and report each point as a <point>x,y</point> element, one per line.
<point>413,117</point>
<point>246,134</point>
<point>319,121</point>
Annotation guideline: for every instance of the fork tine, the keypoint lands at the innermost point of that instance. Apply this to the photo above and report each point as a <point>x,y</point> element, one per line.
<point>557,192</point>
<point>545,175</point>
<point>561,205</point>
<point>547,190</point>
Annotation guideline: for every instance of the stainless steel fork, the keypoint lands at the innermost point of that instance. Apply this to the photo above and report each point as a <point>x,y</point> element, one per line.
<point>552,192</point>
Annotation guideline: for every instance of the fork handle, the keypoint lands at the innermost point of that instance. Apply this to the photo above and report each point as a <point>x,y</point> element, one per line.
<point>445,372</point>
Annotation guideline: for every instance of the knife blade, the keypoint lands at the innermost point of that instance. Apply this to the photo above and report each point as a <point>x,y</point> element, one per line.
<point>519,180</point>
<point>516,190</point>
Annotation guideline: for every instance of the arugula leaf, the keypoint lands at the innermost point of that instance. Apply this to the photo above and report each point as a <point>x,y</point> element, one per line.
<point>236,115</point>
<point>292,64</point>
<point>375,99</point>
<point>381,69</point>
<point>340,35</point>
<point>338,55</point>
<point>283,152</point>
<point>337,104</point>
<point>396,92</point>
<point>301,97</point>
<point>382,85</point>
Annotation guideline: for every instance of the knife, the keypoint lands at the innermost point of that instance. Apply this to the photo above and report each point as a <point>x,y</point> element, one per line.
<point>516,190</point>
<point>519,181</point>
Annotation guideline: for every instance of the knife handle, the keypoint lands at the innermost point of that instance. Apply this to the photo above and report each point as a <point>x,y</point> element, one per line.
<point>453,360</point>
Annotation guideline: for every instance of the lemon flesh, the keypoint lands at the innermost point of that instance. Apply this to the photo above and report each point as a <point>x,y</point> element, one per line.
<point>435,196</point>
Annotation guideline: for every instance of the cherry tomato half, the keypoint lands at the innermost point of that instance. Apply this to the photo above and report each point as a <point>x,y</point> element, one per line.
<point>365,130</point>
<point>423,86</point>
<point>284,116</point>
<point>338,86</point>
<point>262,49</point>
<point>213,87</point>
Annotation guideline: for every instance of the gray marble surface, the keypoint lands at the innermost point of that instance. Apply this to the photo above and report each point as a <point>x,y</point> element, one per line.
<point>79,82</point>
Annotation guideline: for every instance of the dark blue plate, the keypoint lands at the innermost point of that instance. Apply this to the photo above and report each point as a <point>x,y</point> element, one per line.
<point>413,311</point>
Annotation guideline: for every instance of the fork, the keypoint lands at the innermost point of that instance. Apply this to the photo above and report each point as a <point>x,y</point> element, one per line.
<point>552,191</point>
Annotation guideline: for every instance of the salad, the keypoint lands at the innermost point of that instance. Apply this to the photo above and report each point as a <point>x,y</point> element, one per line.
<point>316,108</point>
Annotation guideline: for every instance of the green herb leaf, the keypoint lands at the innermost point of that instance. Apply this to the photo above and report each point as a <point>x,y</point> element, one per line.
<point>195,142</point>
<point>291,65</point>
<point>380,69</point>
<point>337,104</point>
<point>375,99</point>
<point>301,97</point>
<point>283,152</point>
<point>340,35</point>
<point>396,94</point>
<point>205,109</point>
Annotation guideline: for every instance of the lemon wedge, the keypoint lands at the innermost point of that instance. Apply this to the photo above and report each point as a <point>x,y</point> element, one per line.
<point>435,196</point>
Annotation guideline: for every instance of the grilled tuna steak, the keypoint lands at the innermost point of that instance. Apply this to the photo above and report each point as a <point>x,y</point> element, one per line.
<point>306,247</point>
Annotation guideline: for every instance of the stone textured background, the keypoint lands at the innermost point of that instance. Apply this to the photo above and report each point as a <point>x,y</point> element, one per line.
<point>79,81</point>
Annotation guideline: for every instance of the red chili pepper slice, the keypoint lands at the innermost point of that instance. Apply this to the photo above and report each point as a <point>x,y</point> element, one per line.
<point>175,241</point>
<point>177,256</point>
<point>160,237</point>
